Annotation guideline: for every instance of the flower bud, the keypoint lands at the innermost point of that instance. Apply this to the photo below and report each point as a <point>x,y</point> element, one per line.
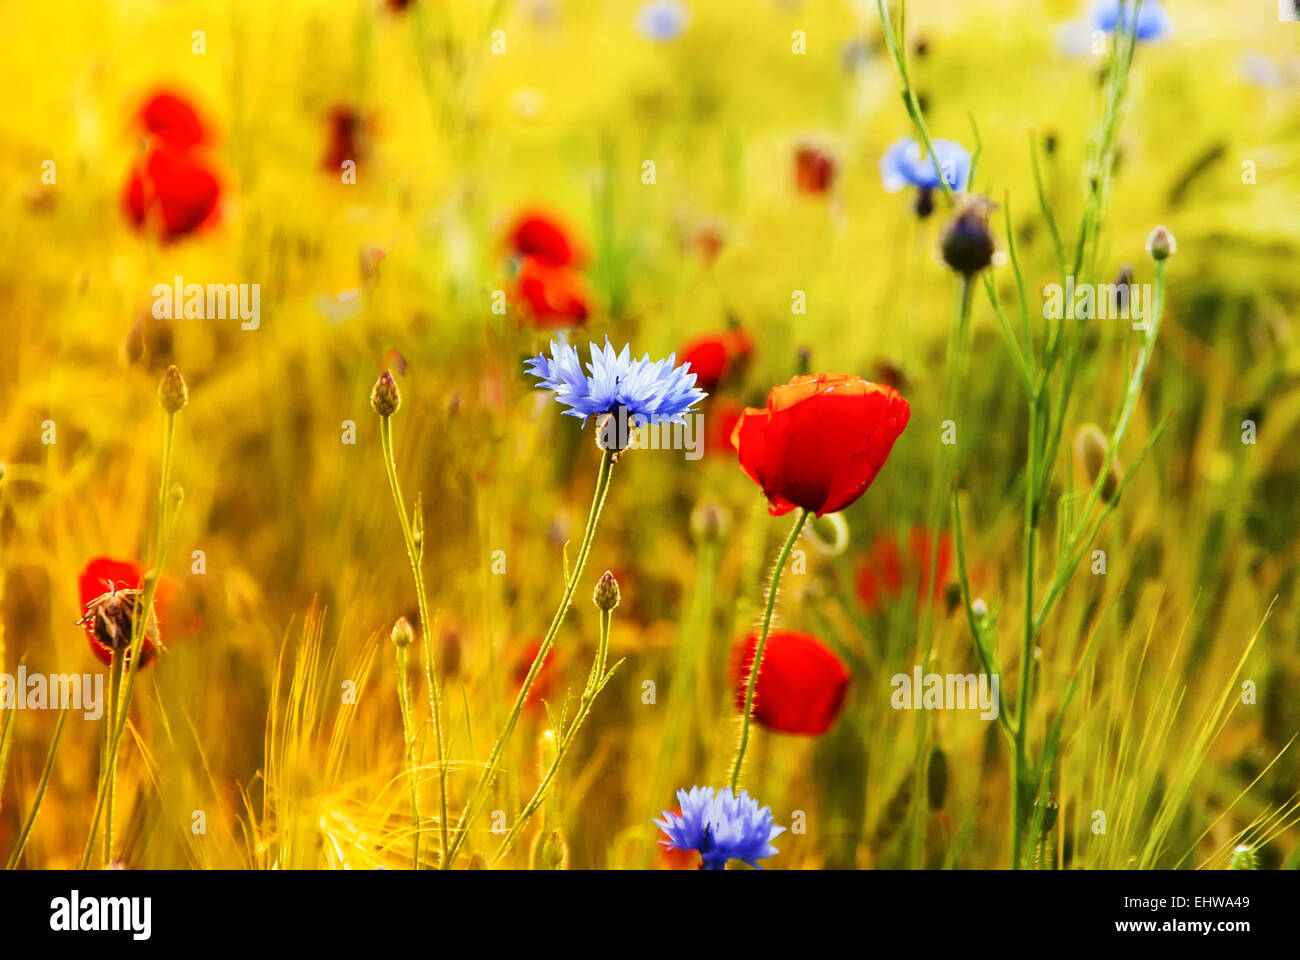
<point>1161,244</point>
<point>1050,811</point>
<point>967,241</point>
<point>1090,447</point>
<point>606,595</point>
<point>384,396</point>
<point>710,522</point>
<point>402,634</point>
<point>172,392</point>
<point>176,495</point>
<point>550,851</point>
<point>936,780</point>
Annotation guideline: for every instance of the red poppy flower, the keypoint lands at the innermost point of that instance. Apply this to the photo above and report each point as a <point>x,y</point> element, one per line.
<point>814,169</point>
<point>545,679</point>
<point>105,576</point>
<point>174,186</point>
<point>884,572</point>
<point>720,418</point>
<point>820,441</point>
<point>172,120</point>
<point>553,296</point>
<point>538,234</point>
<point>715,356</point>
<point>801,684</point>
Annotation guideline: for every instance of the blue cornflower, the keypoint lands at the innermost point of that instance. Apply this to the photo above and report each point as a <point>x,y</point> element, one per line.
<point>721,827</point>
<point>905,164</point>
<point>662,20</point>
<point>659,392</point>
<point>1152,22</point>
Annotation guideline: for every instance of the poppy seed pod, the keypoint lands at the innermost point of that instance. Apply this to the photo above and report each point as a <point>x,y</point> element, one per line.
<point>967,242</point>
<point>384,395</point>
<point>173,394</point>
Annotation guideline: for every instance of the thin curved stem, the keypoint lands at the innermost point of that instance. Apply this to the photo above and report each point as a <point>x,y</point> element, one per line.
<point>781,559</point>
<point>479,794</point>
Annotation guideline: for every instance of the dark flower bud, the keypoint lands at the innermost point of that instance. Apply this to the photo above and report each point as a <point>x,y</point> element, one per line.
<point>710,522</point>
<point>384,396</point>
<point>606,595</point>
<point>1161,244</point>
<point>550,851</point>
<point>967,241</point>
<point>172,392</point>
<point>1050,810</point>
<point>924,202</point>
<point>937,779</point>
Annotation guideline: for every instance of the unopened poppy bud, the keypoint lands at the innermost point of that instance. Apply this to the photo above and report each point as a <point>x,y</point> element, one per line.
<point>384,396</point>
<point>1161,244</point>
<point>402,633</point>
<point>1090,447</point>
<point>967,240</point>
<point>606,595</point>
<point>710,522</point>
<point>550,851</point>
<point>172,392</point>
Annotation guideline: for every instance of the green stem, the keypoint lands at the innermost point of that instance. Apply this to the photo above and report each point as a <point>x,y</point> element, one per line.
<point>414,552</point>
<point>479,793</point>
<point>595,682</point>
<point>752,683</point>
<point>40,792</point>
<point>408,738</point>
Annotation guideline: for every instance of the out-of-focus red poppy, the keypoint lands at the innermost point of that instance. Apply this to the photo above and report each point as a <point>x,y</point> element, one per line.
<point>820,441</point>
<point>715,356</point>
<point>538,234</point>
<point>552,296</point>
<point>814,169</point>
<point>670,858</point>
<point>173,191</point>
<point>720,418</point>
<point>801,683</point>
<point>345,138</point>
<point>545,680</point>
<point>885,572</point>
<point>105,576</point>
<point>172,120</point>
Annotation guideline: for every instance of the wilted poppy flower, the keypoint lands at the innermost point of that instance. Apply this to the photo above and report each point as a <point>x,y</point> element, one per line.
<point>172,190</point>
<point>801,683</point>
<point>541,689</point>
<point>110,591</point>
<point>887,569</point>
<point>552,296</point>
<point>820,441</point>
<point>538,234</point>
<point>814,169</point>
<point>172,120</point>
<point>713,357</point>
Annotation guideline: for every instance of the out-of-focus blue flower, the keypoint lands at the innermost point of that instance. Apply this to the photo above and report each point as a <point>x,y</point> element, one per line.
<point>658,392</point>
<point>662,20</point>
<point>1152,22</point>
<point>721,827</point>
<point>905,164</point>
